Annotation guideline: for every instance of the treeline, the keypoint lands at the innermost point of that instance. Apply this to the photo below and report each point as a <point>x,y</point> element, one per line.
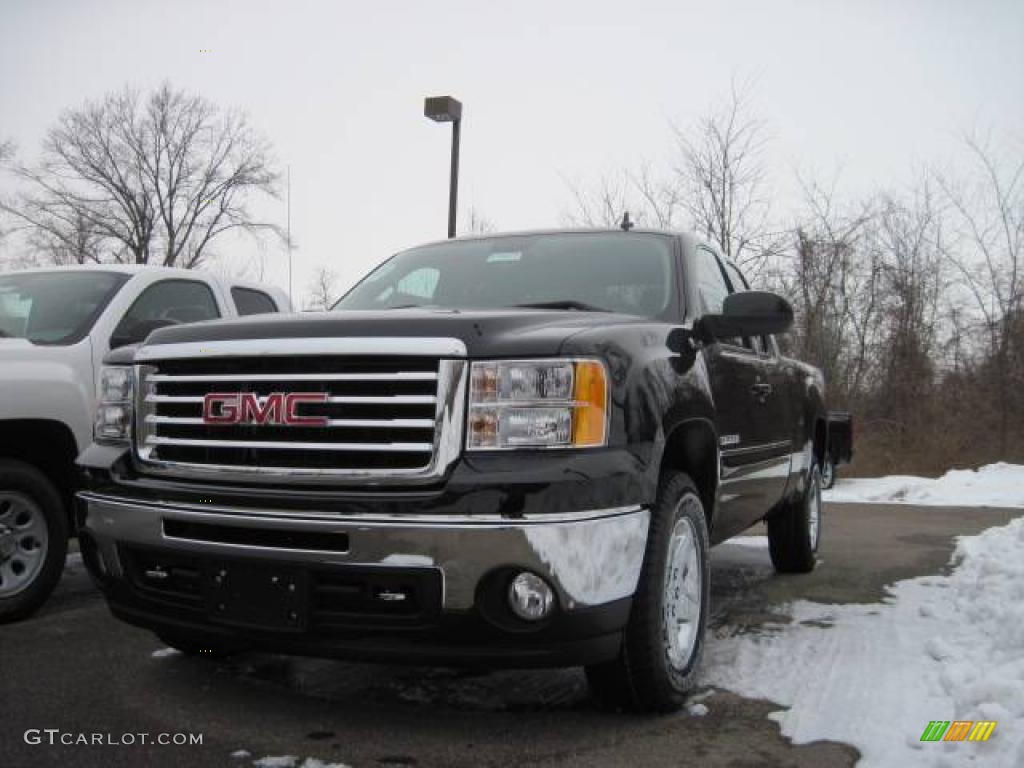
<point>911,301</point>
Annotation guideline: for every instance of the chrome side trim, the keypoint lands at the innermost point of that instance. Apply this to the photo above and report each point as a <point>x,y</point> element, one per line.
<point>757,448</point>
<point>284,347</point>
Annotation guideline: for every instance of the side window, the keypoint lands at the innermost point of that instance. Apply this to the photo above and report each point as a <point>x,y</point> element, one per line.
<point>760,344</point>
<point>710,282</point>
<point>713,288</point>
<point>252,302</point>
<point>169,302</point>
<point>737,279</point>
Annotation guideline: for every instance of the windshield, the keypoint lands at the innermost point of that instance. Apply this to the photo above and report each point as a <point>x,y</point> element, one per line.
<point>619,272</point>
<point>54,307</point>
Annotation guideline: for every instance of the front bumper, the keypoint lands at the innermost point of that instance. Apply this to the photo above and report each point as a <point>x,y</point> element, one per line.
<point>454,569</point>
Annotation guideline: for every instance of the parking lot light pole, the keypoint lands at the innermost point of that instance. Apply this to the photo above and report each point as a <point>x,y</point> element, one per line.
<point>445,109</point>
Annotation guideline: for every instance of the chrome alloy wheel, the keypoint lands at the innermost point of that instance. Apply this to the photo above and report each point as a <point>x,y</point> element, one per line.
<point>23,542</point>
<point>814,510</point>
<point>681,599</point>
<point>828,473</point>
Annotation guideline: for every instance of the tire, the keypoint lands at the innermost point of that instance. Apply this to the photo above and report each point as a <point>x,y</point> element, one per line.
<point>33,539</point>
<point>195,645</point>
<point>794,531</point>
<point>653,672</point>
<point>828,473</point>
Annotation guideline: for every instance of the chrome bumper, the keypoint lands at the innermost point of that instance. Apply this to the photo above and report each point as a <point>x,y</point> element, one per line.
<point>590,558</point>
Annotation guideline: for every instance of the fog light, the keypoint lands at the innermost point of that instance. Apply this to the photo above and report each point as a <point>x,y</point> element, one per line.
<point>530,597</point>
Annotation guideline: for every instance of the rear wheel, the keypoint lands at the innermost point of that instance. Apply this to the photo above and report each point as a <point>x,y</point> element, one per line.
<point>828,473</point>
<point>664,638</point>
<point>795,530</point>
<point>33,539</point>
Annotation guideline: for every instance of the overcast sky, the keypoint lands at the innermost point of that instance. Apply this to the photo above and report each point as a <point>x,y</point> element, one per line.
<point>552,91</point>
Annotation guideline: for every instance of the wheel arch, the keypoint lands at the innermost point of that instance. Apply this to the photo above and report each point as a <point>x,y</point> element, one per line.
<point>49,446</point>
<point>692,447</point>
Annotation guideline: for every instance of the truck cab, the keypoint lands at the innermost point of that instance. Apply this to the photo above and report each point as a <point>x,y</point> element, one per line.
<point>56,326</point>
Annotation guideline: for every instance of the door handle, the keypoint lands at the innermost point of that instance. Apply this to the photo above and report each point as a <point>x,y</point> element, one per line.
<point>761,390</point>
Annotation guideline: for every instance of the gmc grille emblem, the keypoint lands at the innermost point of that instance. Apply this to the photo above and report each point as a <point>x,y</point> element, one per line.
<point>277,408</point>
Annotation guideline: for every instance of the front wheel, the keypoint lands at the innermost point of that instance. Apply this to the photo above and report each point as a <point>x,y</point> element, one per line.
<point>33,539</point>
<point>664,638</point>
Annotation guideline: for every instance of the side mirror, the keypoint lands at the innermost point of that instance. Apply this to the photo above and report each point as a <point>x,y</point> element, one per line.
<point>750,313</point>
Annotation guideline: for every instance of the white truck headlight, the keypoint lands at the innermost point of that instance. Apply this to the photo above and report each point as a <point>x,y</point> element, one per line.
<point>537,404</point>
<point>114,411</point>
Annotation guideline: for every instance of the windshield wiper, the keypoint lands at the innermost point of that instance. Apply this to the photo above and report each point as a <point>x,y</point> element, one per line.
<point>562,304</point>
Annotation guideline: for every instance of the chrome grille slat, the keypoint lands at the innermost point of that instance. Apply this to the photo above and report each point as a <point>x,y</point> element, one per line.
<point>367,423</point>
<point>391,413</point>
<point>170,378</point>
<point>291,446</point>
<point>369,400</point>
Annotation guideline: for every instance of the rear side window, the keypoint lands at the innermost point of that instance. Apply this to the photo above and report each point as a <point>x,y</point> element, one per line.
<point>252,302</point>
<point>169,302</point>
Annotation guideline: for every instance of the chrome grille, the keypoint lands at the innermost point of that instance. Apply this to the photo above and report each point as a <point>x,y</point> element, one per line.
<point>395,416</point>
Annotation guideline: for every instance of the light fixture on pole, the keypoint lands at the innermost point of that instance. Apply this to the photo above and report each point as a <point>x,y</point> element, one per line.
<point>445,109</point>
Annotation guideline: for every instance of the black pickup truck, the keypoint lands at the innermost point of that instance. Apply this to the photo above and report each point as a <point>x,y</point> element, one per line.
<point>512,450</point>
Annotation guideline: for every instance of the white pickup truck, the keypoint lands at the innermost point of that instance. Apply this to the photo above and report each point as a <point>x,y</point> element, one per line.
<point>56,325</point>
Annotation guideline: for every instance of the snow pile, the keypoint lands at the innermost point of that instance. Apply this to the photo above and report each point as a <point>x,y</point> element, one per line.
<point>994,485</point>
<point>940,648</point>
<point>292,761</point>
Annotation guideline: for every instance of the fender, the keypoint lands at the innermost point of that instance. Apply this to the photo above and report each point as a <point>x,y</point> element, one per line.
<point>50,383</point>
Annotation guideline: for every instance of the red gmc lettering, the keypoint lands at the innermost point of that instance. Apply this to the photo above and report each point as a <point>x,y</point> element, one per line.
<point>248,408</point>
<point>291,403</point>
<point>221,408</point>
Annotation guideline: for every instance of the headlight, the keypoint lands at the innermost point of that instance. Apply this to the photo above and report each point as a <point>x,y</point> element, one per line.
<point>114,410</point>
<point>537,404</point>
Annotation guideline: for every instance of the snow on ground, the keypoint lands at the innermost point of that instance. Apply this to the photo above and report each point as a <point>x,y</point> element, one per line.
<point>938,648</point>
<point>292,761</point>
<point>994,485</point>
<point>754,542</point>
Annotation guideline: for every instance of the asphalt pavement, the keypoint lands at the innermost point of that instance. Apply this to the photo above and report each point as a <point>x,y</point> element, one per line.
<point>74,668</point>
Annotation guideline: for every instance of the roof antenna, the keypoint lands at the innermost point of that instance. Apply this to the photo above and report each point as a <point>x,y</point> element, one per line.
<point>626,223</point>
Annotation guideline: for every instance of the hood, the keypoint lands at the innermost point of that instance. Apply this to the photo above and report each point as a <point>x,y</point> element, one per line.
<point>486,333</point>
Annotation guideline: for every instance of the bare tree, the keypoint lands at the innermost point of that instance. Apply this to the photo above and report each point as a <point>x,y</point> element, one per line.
<point>144,180</point>
<point>988,255</point>
<point>721,182</point>
<point>833,281</point>
<point>323,291</point>
<point>478,224</point>
<point>717,185</point>
<point>604,204</point>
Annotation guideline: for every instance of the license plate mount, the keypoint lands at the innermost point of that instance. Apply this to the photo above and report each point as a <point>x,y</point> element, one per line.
<point>256,595</point>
